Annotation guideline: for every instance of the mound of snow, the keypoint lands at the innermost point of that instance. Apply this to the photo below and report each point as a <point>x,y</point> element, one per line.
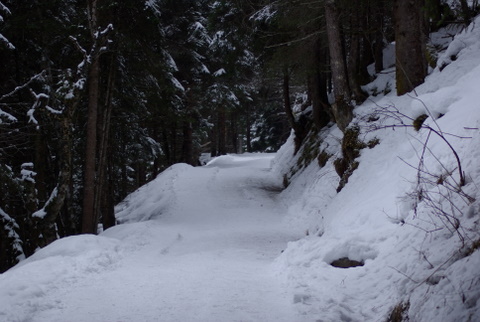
<point>59,266</point>
<point>152,199</point>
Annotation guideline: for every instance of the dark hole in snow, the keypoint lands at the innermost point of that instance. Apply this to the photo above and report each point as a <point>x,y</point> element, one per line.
<point>346,262</point>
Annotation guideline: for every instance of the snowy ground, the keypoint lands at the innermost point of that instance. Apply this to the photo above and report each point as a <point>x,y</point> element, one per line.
<point>204,254</point>
<point>223,243</point>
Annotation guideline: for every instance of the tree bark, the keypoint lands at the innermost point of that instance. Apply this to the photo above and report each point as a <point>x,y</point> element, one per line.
<point>222,127</point>
<point>101,188</point>
<point>88,219</point>
<point>411,64</point>
<point>299,132</point>
<point>353,66</point>
<point>318,87</point>
<point>99,41</point>
<point>342,108</point>
<point>248,135</point>
<point>467,16</point>
<point>187,147</point>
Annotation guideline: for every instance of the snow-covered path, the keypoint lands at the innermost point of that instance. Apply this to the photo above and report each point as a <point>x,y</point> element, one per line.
<point>204,255</point>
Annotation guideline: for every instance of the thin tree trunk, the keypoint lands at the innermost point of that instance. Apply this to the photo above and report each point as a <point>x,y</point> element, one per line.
<point>234,132</point>
<point>108,214</point>
<point>342,108</point>
<point>353,66</point>
<point>378,45</point>
<point>318,87</point>
<point>467,16</point>
<point>187,147</point>
<point>286,98</point>
<point>411,65</point>
<point>248,136</point>
<point>297,130</point>
<point>222,127</point>
<point>214,140</point>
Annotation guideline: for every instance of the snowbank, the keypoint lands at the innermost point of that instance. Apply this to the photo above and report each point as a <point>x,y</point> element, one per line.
<point>59,266</point>
<point>412,253</point>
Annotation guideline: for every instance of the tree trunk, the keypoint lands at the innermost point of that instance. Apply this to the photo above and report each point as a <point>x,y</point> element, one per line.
<point>93,79</point>
<point>222,127</point>
<point>411,64</point>
<point>101,188</point>
<point>298,131</point>
<point>108,214</point>
<point>88,219</point>
<point>342,108</point>
<point>378,49</point>
<point>214,141</point>
<point>353,66</point>
<point>45,218</point>
<point>248,135</point>
<point>286,98</point>
<point>467,16</point>
<point>318,87</point>
<point>187,147</point>
<point>234,132</point>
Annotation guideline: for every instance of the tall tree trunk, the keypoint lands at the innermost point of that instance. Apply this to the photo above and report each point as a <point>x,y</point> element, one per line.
<point>353,66</point>
<point>298,131</point>
<point>101,188</point>
<point>214,141</point>
<point>342,108</point>
<point>41,166</point>
<point>46,217</point>
<point>108,214</point>
<point>93,79</point>
<point>467,16</point>
<point>88,219</point>
<point>222,127</point>
<point>411,64</point>
<point>248,135</point>
<point>187,147</point>
<point>318,87</point>
<point>234,132</point>
<point>378,45</point>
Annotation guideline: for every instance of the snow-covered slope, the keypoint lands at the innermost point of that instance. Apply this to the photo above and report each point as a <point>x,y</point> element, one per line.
<point>416,231</point>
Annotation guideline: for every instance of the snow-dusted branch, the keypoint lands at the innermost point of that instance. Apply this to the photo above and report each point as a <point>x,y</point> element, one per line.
<point>38,76</point>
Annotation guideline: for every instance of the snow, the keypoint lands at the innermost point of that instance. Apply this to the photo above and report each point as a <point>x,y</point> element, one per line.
<point>7,117</point>
<point>6,42</point>
<point>195,244</point>
<point>226,242</point>
<point>219,72</point>
<point>409,255</point>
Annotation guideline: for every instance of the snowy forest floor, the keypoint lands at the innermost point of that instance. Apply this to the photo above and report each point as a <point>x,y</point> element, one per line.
<point>205,255</point>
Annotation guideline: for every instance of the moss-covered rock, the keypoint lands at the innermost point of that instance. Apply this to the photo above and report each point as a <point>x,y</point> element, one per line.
<point>418,122</point>
<point>323,158</point>
<point>351,146</point>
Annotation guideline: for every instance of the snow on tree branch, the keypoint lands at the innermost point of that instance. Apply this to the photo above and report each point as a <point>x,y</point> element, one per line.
<point>4,40</point>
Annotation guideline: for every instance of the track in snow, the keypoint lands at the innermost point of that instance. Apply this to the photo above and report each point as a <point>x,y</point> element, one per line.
<point>205,257</point>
